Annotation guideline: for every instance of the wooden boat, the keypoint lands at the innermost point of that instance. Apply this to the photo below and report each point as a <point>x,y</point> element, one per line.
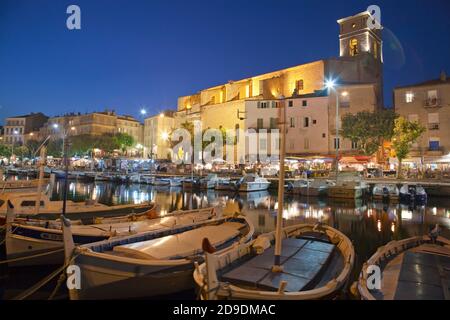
<point>413,193</point>
<point>347,189</point>
<point>416,268</point>
<point>31,237</point>
<point>388,191</point>
<point>21,185</point>
<point>314,188</point>
<point>316,262</point>
<point>252,182</point>
<point>151,263</point>
<point>24,206</point>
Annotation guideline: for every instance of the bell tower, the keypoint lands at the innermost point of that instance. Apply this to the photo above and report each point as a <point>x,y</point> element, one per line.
<point>358,35</point>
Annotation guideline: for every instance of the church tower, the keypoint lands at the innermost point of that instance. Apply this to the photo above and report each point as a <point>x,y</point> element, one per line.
<point>358,35</point>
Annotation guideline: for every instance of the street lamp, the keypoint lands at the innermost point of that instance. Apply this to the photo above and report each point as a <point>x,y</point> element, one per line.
<point>143,112</point>
<point>330,84</point>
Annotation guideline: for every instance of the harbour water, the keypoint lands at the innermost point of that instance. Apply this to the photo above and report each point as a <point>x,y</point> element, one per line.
<point>369,224</point>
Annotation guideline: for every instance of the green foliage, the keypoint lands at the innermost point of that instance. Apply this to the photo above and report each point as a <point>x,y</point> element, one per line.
<point>124,141</point>
<point>32,146</point>
<point>5,151</point>
<point>368,129</point>
<point>405,133</point>
<point>54,148</point>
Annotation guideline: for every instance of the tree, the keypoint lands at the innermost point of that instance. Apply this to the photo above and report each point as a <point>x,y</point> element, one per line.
<point>21,151</point>
<point>368,129</point>
<point>405,133</point>
<point>124,141</point>
<point>32,146</point>
<point>5,151</point>
<point>54,148</point>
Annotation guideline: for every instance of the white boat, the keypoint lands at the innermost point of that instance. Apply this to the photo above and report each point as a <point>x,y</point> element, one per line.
<point>411,269</point>
<point>134,178</point>
<point>26,238</point>
<point>413,193</point>
<point>252,182</point>
<point>307,187</point>
<point>294,187</point>
<point>153,263</point>
<point>24,206</point>
<point>385,191</point>
<point>316,263</point>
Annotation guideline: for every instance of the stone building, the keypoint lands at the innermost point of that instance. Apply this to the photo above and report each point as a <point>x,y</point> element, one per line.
<point>357,71</point>
<point>19,129</point>
<point>156,135</point>
<point>428,103</point>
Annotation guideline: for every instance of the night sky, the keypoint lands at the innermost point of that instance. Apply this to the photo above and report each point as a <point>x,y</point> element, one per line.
<point>130,54</point>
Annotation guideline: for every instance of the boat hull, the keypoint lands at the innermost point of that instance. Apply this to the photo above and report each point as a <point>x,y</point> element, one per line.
<point>257,186</point>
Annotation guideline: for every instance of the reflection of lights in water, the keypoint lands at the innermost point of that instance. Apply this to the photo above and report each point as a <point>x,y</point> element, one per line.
<point>369,213</point>
<point>379,225</point>
<point>434,211</point>
<point>275,206</point>
<point>406,215</point>
<point>393,227</point>
<point>290,213</point>
<point>163,212</point>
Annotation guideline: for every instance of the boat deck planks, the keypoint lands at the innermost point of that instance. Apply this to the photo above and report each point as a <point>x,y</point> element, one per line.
<point>423,276</point>
<point>302,261</point>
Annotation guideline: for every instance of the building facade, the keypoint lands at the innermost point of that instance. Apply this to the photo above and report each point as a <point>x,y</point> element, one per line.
<point>157,131</point>
<point>252,103</point>
<point>19,129</point>
<point>429,104</point>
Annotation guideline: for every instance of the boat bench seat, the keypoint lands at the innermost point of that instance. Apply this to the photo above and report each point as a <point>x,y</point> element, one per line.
<point>302,261</point>
<point>183,244</point>
<point>423,276</point>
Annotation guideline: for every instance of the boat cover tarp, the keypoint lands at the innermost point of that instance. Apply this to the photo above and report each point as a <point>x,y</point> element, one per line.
<point>423,276</point>
<point>302,261</point>
<point>182,245</point>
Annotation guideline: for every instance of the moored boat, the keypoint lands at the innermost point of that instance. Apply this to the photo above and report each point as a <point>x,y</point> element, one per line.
<point>27,238</point>
<point>413,193</point>
<point>252,182</point>
<point>315,263</point>
<point>388,191</point>
<point>416,268</point>
<point>152,263</point>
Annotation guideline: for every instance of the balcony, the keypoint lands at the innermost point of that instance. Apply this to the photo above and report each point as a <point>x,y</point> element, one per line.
<point>439,151</point>
<point>432,103</point>
<point>433,126</point>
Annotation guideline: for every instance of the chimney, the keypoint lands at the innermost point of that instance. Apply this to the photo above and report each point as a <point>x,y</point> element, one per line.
<point>443,76</point>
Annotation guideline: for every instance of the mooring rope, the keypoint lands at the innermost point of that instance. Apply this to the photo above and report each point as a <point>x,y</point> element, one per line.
<point>31,257</point>
<point>44,281</point>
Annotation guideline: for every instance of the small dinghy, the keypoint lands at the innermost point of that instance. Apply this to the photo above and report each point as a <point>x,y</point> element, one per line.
<point>151,263</point>
<point>416,268</point>
<point>316,262</point>
<point>25,206</point>
<point>386,191</point>
<point>413,193</point>
<point>25,238</point>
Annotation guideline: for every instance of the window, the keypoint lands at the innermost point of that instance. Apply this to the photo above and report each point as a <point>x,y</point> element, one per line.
<point>353,47</point>
<point>260,123</point>
<point>299,85</point>
<point>292,122</point>
<point>274,104</point>
<point>305,122</point>
<point>263,144</point>
<point>262,105</point>
<point>354,144</point>
<point>314,121</point>
<point>337,143</point>
<point>433,118</point>
<point>324,135</point>
<point>375,50</point>
<point>30,203</point>
<point>432,98</point>
<point>306,143</point>
<point>304,103</point>
<point>353,25</point>
<point>261,220</point>
<point>290,103</point>
<point>291,144</point>
<point>273,123</point>
<point>409,97</point>
<point>433,144</point>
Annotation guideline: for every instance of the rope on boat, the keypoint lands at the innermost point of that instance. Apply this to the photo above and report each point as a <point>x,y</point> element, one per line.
<point>31,257</point>
<point>61,279</point>
<point>44,281</point>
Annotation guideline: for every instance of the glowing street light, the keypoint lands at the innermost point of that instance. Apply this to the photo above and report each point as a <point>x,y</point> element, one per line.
<point>164,136</point>
<point>143,111</point>
<point>161,115</point>
<point>330,84</point>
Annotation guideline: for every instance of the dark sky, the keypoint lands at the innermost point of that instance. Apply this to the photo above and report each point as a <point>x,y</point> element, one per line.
<point>147,53</point>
